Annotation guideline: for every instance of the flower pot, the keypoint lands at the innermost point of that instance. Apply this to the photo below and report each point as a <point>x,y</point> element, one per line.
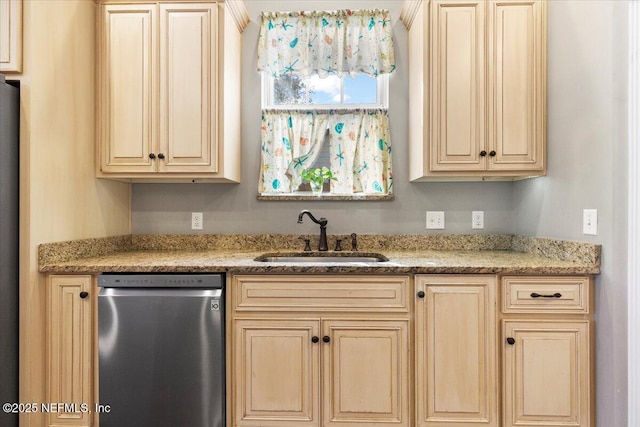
<point>316,188</point>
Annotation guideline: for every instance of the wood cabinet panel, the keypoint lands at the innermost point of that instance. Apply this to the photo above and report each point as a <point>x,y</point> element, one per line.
<point>70,349</point>
<point>458,85</point>
<point>517,72</point>
<point>546,373</point>
<point>535,294</point>
<point>188,92</point>
<point>365,372</point>
<point>312,293</point>
<point>456,351</point>
<point>10,36</point>
<point>276,376</point>
<point>128,80</point>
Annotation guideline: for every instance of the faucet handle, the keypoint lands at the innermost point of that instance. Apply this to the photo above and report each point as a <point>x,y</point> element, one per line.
<point>338,245</point>
<point>354,242</point>
<point>307,245</point>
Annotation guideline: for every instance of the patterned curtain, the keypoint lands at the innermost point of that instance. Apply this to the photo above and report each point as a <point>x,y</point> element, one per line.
<point>359,146</point>
<point>291,141</point>
<point>360,150</point>
<point>326,42</point>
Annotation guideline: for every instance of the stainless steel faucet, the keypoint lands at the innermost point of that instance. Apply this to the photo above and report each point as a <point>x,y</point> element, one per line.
<point>322,222</point>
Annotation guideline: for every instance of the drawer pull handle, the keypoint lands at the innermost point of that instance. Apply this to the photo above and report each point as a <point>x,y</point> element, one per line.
<point>536,295</point>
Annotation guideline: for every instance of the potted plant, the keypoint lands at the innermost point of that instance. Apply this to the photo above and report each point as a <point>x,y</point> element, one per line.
<point>317,177</point>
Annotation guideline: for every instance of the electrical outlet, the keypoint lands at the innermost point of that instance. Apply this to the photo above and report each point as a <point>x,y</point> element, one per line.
<point>477,219</point>
<point>590,222</point>
<point>435,220</point>
<point>196,220</point>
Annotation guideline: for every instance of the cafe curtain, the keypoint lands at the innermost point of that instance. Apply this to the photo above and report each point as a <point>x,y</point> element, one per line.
<point>359,147</point>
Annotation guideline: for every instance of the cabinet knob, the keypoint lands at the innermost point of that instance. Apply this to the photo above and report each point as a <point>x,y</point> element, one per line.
<point>152,156</point>
<point>314,339</point>
<point>511,341</point>
<point>84,294</point>
<point>160,156</point>
<point>492,153</point>
<point>326,338</point>
<point>483,153</point>
<point>421,294</point>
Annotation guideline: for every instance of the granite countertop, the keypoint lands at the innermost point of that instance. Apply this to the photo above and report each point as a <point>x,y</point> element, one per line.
<point>407,254</point>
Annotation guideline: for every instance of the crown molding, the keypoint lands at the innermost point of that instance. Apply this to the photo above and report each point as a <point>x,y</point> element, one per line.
<point>409,11</point>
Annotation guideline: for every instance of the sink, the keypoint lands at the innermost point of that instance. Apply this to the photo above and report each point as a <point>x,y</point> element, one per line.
<point>306,257</point>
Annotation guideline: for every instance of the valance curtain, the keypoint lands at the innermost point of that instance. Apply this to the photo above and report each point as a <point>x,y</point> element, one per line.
<point>359,145</point>
<point>326,42</point>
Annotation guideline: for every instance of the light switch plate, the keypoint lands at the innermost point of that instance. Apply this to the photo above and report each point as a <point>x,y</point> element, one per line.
<point>590,222</point>
<point>435,220</point>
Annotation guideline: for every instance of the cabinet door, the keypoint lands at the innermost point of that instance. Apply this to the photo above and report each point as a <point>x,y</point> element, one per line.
<point>69,350</point>
<point>188,60</point>
<point>517,70</point>
<point>456,351</point>
<point>276,373</point>
<point>10,36</point>
<point>546,373</point>
<point>458,86</point>
<point>365,372</point>
<point>127,78</point>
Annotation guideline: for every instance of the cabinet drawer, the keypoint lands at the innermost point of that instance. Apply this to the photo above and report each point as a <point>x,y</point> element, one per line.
<point>545,294</point>
<point>319,293</point>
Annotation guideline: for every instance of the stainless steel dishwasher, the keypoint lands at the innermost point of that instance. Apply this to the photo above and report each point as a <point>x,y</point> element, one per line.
<point>161,350</point>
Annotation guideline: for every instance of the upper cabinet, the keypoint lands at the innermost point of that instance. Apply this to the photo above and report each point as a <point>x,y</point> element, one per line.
<point>10,36</point>
<point>169,91</point>
<point>477,72</point>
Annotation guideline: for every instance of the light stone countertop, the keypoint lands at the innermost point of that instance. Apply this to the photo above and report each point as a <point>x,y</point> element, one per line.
<point>452,254</point>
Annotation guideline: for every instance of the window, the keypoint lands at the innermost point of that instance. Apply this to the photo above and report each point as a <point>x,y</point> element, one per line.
<point>315,92</point>
<point>324,102</point>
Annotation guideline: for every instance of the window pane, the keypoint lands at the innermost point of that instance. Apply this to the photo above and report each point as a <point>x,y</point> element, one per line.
<point>324,90</point>
<point>361,89</point>
<point>290,89</point>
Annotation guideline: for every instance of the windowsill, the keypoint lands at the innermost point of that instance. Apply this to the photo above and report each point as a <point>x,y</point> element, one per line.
<point>307,196</point>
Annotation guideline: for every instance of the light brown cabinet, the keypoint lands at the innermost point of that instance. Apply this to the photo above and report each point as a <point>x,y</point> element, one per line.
<point>546,344</point>
<point>169,92</point>
<point>71,304</point>
<point>309,359</point>
<point>456,361</point>
<point>477,77</point>
<point>10,36</point>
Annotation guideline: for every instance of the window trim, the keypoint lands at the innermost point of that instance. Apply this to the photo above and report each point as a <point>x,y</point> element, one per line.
<point>382,92</point>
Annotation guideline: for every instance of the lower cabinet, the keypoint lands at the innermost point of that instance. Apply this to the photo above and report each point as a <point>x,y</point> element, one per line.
<point>547,351</point>
<point>358,351</point>
<point>318,362</point>
<point>70,342</point>
<point>546,373</point>
<point>456,363</point>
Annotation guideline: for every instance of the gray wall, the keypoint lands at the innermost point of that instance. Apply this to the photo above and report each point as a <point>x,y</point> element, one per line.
<point>587,142</point>
<point>587,169</point>
<point>233,208</point>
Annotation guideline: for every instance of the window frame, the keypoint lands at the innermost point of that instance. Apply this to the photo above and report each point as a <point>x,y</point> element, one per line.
<point>382,95</point>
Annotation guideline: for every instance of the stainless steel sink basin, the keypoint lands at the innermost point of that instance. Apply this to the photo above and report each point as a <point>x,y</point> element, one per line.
<point>305,257</point>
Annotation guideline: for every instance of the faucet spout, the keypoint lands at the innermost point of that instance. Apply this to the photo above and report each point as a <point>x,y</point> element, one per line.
<point>322,222</point>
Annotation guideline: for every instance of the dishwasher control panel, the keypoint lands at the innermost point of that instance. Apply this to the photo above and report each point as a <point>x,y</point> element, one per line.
<point>206,281</point>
